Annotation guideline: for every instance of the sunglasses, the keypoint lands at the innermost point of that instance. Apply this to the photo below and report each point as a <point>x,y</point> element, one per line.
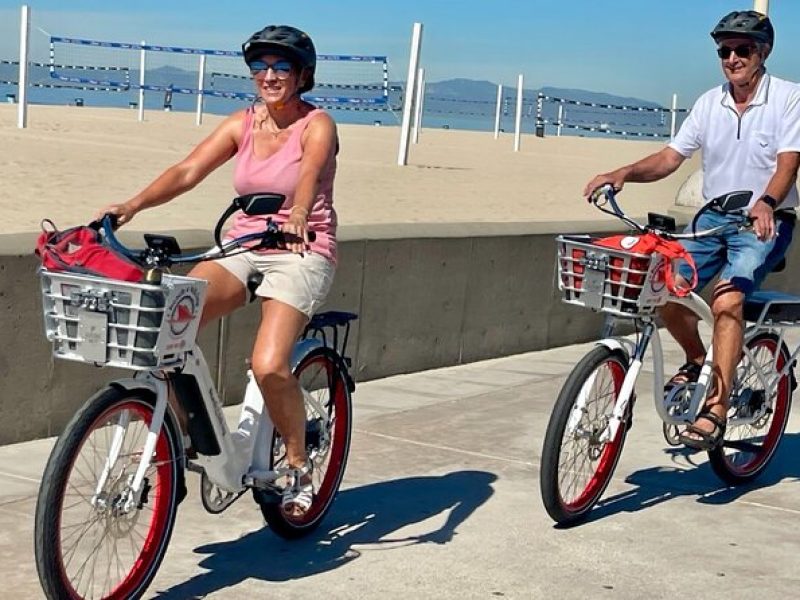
<point>281,68</point>
<point>742,51</point>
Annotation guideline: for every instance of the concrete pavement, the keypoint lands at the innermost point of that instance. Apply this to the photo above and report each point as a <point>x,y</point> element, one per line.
<point>441,500</point>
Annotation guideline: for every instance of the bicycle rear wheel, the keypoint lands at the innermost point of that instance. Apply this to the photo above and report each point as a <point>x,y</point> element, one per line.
<point>575,466</point>
<point>91,541</point>
<point>322,378</point>
<point>749,448</point>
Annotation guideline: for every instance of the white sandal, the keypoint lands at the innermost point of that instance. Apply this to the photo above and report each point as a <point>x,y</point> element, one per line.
<point>298,495</point>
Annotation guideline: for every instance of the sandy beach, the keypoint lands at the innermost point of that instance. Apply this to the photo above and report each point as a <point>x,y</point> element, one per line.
<point>70,161</point>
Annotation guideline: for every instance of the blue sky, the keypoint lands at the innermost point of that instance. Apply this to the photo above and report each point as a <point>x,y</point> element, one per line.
<point>648,49</point>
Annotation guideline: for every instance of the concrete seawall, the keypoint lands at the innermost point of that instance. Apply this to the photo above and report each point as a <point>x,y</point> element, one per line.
<point>428,295</point>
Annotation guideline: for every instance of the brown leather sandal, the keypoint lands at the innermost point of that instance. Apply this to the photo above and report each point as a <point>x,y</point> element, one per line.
<point>705,440</point>
<point>688,373</point>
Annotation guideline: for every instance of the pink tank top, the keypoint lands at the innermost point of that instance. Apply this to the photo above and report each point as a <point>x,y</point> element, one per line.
<point>279,173</point>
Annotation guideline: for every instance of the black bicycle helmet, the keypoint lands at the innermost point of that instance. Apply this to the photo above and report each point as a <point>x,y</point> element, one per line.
<point>745,23</point>
<point>286,41</point>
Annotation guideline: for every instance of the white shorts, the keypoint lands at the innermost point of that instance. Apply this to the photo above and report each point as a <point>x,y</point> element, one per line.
<point>302,282</point>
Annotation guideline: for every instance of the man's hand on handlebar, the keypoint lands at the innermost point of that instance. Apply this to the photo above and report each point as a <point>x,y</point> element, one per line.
<point>763,221</point>
<point>615,179</point>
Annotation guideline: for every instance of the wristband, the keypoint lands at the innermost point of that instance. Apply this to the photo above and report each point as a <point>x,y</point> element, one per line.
<point>770,201</point>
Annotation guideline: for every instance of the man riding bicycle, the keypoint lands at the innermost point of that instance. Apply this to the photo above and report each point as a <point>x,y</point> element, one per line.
<point>749,132</point>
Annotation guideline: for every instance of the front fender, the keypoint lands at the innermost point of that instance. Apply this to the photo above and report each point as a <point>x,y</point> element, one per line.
<point>626,346</point>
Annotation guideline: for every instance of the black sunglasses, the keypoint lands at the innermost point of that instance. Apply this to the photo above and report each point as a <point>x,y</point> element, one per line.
<point>282,68</point>
<point>742,51</point>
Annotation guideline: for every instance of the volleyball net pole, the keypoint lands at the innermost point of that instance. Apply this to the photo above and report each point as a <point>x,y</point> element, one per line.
<point>518,119</point>
<point>410,89</point>
<point>142,61</point>
<point>497,111</point>
<point>419,104</point>
<point>24,47</point>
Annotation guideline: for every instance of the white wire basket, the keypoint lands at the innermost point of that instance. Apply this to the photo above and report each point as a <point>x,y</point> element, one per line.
<point>116,323</point>
<point>609,280</point>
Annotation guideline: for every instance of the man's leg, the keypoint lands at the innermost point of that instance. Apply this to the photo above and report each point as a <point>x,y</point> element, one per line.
<point>727,305</point>
<point>708,255</point>
<point>749,261</point>
<point>682,325</point>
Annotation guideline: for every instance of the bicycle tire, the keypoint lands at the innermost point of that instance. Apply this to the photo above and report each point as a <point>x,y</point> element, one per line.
<point>568,504</point>
<point>329,471</point>
<point>737,466</point>
<point>107,527</point>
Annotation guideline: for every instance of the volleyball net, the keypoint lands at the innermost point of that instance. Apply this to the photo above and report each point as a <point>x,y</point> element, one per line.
<point>349,82</point>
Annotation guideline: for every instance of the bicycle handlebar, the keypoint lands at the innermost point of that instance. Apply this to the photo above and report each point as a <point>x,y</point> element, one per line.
<point>607,194</point>
<point>271,237</point>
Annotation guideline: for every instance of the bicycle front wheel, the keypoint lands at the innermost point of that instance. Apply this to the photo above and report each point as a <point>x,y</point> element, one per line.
<point>749,448</point>
<point>576,466</point>
<point>93,537</point>
<point>328,425</point>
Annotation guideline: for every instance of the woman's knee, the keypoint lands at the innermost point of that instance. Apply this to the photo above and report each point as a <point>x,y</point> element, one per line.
<point>271,372</point>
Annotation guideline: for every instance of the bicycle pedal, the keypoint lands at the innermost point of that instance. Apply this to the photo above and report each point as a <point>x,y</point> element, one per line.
<point>194,467</point>
<point>266,496</point>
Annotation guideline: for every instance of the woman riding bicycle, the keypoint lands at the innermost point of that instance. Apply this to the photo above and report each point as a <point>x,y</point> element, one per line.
<point>285,145</point>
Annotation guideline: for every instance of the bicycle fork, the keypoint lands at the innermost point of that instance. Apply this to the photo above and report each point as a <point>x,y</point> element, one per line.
<point>636,356</point>
<point>134,487</point>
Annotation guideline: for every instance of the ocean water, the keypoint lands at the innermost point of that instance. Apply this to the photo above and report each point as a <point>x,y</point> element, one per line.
<point>470,115</point>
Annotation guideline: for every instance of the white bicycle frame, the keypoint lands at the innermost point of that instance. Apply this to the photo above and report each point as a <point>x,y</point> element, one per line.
<point>244,459</point>
<point>635,353</point>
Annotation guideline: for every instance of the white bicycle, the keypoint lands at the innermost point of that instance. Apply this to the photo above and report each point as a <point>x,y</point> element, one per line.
<point>594,409</point>
<point>113,482</point>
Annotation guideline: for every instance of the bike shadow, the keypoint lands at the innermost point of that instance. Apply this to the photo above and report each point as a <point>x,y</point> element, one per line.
<point>359,516</point>
<point>660,484</point>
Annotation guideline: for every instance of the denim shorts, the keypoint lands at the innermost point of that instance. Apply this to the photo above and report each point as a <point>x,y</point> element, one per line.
<point>740,258</point>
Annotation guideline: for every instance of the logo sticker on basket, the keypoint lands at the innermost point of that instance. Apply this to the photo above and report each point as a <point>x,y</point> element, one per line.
<point>629,242</point>
<point>182,312</point>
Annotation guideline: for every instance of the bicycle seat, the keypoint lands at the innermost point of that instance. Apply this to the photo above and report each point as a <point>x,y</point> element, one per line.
<point>773,306</point>
<point>253,281</point>
<point>331,318</point>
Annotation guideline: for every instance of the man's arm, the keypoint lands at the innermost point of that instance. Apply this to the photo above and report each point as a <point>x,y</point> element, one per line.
<point>778,187</point>
<point>651,168</point>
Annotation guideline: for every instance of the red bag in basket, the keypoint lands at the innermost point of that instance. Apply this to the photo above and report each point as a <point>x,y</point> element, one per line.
<point>647,243</point>
<point>81,250</point>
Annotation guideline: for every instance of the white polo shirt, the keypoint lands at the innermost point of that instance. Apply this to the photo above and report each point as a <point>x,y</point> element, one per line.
<point>740,152</point>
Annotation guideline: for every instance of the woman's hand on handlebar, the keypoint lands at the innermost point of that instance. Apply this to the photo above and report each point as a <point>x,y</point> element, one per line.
<point>296,230</point>
<point>124,213</point>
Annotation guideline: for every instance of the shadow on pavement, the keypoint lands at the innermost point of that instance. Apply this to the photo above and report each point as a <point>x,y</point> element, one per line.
<point>359,516</point>
<point>660,484</point>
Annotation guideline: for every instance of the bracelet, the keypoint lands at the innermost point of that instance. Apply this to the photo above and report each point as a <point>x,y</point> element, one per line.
<point>298,207</point>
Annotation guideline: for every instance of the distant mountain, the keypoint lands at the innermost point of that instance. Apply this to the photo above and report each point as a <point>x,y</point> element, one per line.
<point>470,89</point>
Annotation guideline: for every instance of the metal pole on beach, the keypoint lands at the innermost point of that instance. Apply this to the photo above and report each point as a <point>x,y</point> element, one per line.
<point>22,85</point>
<point>141,83</point>
<point>201,77</point>
<point>673,112</point>
<point>413,65</point>
<point>518,120</point>
<point>497,111</point>
<point>419,104</point>
<point>560,118</point>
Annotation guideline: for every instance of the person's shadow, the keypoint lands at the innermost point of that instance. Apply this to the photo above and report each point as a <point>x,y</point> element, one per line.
<point>660,484</point>
<point>363,515</point>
